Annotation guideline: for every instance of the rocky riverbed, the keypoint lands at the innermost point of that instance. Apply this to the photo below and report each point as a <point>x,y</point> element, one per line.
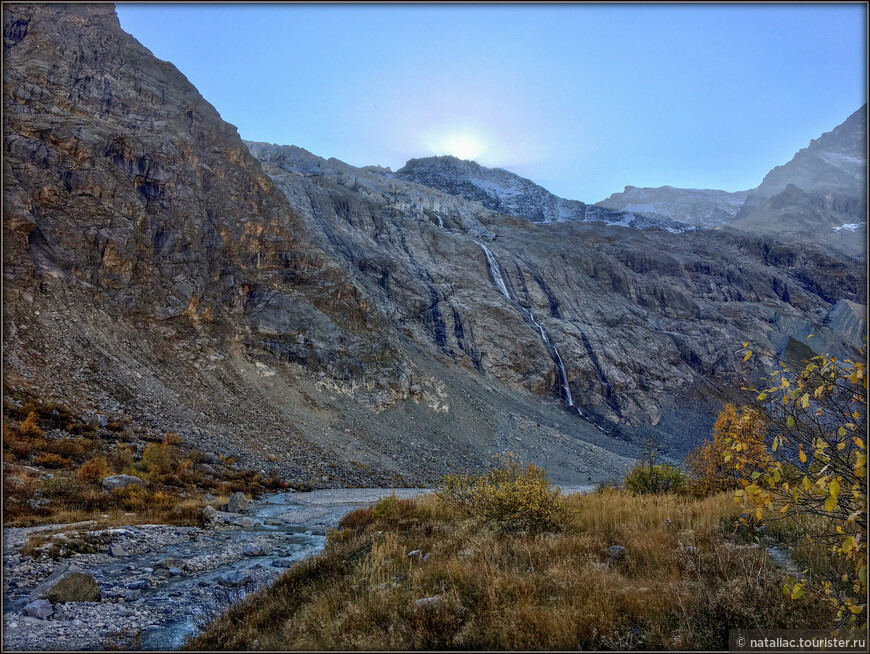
<point>160,580</point>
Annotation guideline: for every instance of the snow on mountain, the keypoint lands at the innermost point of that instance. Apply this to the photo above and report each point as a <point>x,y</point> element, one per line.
<point>699,207</point>
<point>507,193</point>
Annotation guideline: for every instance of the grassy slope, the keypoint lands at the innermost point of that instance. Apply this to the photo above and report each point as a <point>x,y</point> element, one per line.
<point>523,591</point>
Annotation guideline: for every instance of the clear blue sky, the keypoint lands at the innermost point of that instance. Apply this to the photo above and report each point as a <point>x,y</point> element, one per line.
<point>582,99</point>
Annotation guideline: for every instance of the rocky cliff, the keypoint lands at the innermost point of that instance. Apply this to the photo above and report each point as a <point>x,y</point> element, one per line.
<point>820,196</point>
<point>351,325</point>
<point>699,207</point>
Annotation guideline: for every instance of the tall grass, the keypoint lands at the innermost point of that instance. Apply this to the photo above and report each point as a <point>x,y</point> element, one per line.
<point>682,583</point>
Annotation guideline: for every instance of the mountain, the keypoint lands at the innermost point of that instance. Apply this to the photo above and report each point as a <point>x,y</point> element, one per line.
<point>820,195</point>
<point>699,207</point>
<point>507,193</point>
<point>347,325</point>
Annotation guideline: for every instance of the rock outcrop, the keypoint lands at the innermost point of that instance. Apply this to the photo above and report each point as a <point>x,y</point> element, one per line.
<point>699,207</point>
<point>820,196</point>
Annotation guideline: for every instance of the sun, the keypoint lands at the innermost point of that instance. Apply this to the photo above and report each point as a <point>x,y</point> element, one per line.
<point>463,145</point>
<point>461,141</point>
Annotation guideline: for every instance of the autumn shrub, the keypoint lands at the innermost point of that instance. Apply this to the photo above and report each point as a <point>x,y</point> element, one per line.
<point>50,460</point>
<point>509,496</point>
<point>94,470</point>
<point>711,473</point>
<point>817,475</point>
<point>30,428</point>
<point>157,459</point>
<point>656,479</point>
<point>62,488</point>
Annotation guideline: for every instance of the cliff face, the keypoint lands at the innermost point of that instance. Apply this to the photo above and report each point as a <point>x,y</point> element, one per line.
<point>820,196</point>
<point>145,249</point>
<point>699,207</point>
<point>350,324</point>
<point>642,319</point>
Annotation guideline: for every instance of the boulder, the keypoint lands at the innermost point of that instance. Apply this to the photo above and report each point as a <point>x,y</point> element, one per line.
<point>139,584</point>
<point>120,481</point>
<point>253,550</point>
<point>282,563</point>
<point>77,587</point>
<point>168,562</point>
<point>244,522</point>
<point>117,551</point>
<point>235,579</point>
<point>209,514</point>
<point>616,552</point>
<point>41,591</point>
<point>238,503</point>
<point>39,609</point>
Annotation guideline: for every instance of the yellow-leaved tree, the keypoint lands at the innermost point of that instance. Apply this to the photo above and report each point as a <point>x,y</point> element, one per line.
<point>817,417</point>
<point>711,473</point>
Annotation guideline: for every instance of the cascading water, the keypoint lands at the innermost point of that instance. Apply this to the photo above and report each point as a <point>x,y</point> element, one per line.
<point>495,271</point>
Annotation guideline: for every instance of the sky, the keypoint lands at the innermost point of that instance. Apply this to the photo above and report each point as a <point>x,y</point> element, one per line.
<point>582,99</point>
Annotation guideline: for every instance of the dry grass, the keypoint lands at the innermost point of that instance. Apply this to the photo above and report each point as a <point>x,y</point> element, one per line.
<point>521,590</point>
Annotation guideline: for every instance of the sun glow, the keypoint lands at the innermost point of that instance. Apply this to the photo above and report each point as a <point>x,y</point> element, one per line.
<point>461,142</point>
<point>464,145</point>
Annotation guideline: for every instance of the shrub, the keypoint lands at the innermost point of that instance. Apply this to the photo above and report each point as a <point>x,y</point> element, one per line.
<point>157,459</point>
<point>510,496</point>
<point>710,472</point>
<point>29,426</point>
<point>62,488</point>
<point>656,478</point>
<point>818,471</point>
<point>49,460</point>
<point>94,470</point>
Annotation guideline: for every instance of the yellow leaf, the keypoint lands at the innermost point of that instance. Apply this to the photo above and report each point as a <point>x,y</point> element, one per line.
<point>805,401</point>
<point>803,457</point>
<point>745,344</point>
<point>830,503</point>
<point>759,514</point>
<point>747,355</point>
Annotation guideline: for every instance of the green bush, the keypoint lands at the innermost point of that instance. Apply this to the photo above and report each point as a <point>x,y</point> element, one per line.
<point>659,478</point>
<point>511,496</point>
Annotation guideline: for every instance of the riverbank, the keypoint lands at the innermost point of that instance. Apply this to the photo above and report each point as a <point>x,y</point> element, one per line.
<point>158,581</point>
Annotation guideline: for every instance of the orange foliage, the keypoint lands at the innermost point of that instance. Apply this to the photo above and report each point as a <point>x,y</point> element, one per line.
<point>708,463</point>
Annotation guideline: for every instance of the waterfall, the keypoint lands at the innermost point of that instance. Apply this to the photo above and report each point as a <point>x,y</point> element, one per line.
<point>530,317</point>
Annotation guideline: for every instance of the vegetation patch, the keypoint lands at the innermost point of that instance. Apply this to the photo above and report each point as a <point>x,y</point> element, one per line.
<point>458,570</point>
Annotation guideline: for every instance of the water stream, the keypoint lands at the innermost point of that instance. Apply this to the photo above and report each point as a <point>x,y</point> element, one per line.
<point>495,271</point>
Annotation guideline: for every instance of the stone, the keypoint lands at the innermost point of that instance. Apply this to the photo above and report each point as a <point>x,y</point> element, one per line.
<point>175,572</point>
<point>616,552</point>
<point>139,584</point>
<point>253,550</point>
<point>238,503</point>
<point>209,514</point>
<point>282,563</point>
<point>61,572</point>
<point>120,481</point>
<point>40,609</point>
<point>428,601</point>
<point>244,522</point>
<point>117,551</point>
<point>235,579</point>
<point>170,562</point>
<point>208,497</point>
<point>415,553</point>
<point>77,587</point>
<point>666,522</point>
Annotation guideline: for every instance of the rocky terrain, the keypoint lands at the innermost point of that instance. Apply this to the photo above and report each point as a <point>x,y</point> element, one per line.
<point>155,583</point>
<point>820,195</point>
<point>346,324</point>
<point>699,207</point>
